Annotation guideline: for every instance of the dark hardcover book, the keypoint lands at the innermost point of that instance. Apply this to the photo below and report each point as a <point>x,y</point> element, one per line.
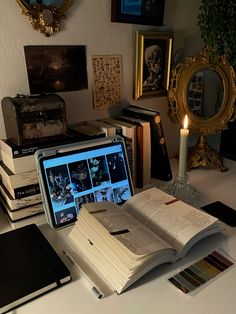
<point>160,164</point>
<point>15,151</point>
<point>36,270</point>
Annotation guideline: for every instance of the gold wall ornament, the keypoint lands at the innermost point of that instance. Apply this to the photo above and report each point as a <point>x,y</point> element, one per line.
<point>46,15</point>
<point>206,93</point>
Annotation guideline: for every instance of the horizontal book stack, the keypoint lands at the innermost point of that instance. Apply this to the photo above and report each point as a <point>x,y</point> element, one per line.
<point>19,188</point>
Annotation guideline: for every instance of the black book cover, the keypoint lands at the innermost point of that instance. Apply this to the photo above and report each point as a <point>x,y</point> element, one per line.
<point>25,191</point>
<point>160,164</point>
<point>29,266</point>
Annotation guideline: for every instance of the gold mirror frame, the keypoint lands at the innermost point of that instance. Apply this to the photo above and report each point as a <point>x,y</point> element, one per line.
<point>45,18</point>
<point>177,94</point>
<point>202,155</point>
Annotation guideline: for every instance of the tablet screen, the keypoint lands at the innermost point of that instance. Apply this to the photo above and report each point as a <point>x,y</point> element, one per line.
<point>90,174</point>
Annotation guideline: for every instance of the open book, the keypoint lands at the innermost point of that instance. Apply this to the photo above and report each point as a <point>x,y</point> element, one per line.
<point>151,228</point>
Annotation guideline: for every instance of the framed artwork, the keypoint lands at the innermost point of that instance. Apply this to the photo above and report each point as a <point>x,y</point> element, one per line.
<point>106,80</point>
<point>56,68</point>
<point>146,12</point>
<point>153,61</point>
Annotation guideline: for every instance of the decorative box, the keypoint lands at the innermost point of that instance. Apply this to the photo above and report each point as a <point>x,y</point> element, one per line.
<point>30,119</point>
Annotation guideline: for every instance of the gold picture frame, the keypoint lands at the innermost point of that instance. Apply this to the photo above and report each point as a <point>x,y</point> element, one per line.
<point>153,62</point>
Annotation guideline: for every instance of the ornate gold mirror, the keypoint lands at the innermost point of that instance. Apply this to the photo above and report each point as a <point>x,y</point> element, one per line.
<point>206,93</point>
<point>45,15</point>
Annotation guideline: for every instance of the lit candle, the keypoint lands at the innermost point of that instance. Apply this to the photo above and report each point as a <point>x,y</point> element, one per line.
<point>183,148</point>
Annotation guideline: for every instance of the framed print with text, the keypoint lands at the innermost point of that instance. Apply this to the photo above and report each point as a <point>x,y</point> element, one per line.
<point>145,12</point>
<point>153,61</point>
<point>106,80</point>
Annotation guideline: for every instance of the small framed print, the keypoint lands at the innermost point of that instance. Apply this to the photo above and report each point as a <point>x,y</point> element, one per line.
<point>106,80</point>
<point>145,12</point>
<point>153,61</point>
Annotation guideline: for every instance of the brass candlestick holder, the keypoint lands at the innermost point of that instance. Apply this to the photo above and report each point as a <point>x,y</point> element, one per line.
<point>203,156</point>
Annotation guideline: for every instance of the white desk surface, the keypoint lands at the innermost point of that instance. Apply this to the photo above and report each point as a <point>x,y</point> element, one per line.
<point>153,293</point>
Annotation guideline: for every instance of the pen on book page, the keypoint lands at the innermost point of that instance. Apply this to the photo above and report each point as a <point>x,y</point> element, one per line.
<point>95,290</point>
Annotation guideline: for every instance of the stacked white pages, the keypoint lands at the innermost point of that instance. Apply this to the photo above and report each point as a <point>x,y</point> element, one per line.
<point>123,243</point>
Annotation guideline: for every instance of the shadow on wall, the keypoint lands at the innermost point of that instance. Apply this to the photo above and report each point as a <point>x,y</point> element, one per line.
<point>191,46</point>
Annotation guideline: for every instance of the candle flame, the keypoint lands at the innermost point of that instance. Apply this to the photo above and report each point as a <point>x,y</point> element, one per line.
<point>185,122</point>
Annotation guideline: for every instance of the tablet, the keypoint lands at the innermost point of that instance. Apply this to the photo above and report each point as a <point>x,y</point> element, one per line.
<point>90,171</point>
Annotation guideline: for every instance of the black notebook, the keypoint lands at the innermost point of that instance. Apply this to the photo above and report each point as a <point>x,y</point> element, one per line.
<point>29,267</point>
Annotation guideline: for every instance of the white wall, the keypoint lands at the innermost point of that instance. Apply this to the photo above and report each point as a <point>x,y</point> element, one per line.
<point>88,23</point>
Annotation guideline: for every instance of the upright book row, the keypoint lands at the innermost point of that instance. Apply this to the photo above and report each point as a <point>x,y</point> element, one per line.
<point>145,141</point>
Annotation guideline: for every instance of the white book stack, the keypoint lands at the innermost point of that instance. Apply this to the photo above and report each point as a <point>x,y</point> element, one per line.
<point>19,189</point>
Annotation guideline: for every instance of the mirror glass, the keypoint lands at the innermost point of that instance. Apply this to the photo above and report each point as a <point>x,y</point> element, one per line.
<point>205,93</point>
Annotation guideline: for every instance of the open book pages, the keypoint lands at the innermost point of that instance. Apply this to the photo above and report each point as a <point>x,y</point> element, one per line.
<point>123,243</point>
<point>177,223</point>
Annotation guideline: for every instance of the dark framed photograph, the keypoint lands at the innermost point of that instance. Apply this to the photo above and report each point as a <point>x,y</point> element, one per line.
<point>56,68</point>
<point>145,12</point>
<point>153,61</point>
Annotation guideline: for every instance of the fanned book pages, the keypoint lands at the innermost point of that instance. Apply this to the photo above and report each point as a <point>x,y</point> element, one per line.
<point>151,228</point>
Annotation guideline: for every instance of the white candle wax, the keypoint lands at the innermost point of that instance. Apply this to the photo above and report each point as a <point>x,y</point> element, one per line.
<point>183,145</point>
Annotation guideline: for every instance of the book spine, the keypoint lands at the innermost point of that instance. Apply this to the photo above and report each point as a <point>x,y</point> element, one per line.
<point>25,191</point>
<point>139,150</point>
<point>37,218</point>
<point>23,202</point>
<point>19,165</point>
<point>17,151</point>
<point>21,213</point>
<point>140,161</point>
<point>160,168</point>
<point>129,152</point>
<point>13,181</point>
<point>127,132</point>
<point>160,164</point>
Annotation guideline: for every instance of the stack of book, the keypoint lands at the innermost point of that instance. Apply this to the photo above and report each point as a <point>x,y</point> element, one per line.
<point>125,242</point>
<point>19,188</point>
